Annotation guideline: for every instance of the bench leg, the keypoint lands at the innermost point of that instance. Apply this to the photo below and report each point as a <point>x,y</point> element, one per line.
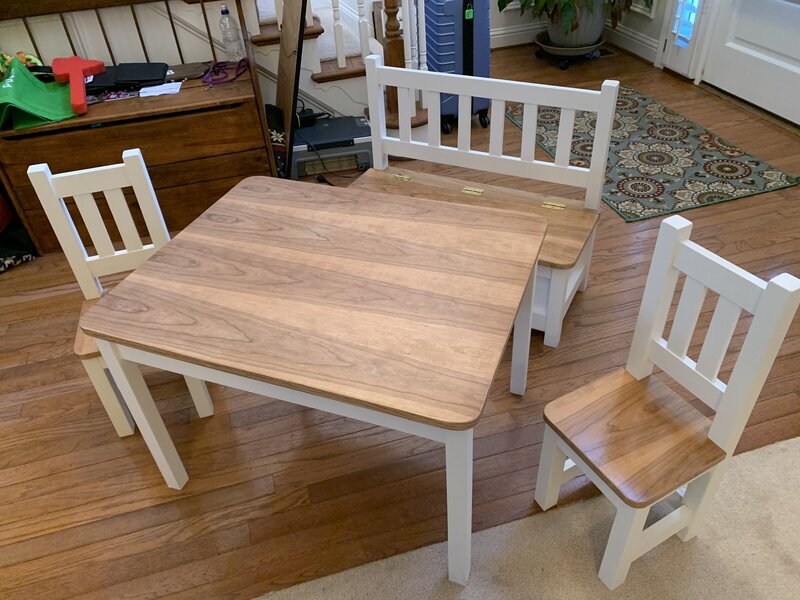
<point>120,417</point>
<point>556,310</point>
<point>458,460</point>
<point>586,258</point>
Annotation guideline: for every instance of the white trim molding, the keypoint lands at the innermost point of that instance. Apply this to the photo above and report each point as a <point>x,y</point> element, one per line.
<point>633,41</point>
<point>515,35</point>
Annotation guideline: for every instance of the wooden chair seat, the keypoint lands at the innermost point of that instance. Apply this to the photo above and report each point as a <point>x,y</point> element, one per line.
<point>568,228</point>
<point>640,437</point>
<point>85,346</point>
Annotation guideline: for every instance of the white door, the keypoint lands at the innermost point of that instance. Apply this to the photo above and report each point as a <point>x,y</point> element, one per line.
<point>681,40</point>
<point>755,53</point>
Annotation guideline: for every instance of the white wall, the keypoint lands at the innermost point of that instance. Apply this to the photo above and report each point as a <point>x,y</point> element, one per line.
<point>640,33</point>
<point>509,28</point>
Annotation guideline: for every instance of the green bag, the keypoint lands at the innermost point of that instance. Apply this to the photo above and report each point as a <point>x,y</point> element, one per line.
<point>27,102</point>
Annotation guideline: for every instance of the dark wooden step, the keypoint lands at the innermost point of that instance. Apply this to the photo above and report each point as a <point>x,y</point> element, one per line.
<point>354,67</point>
<point>269,32</point>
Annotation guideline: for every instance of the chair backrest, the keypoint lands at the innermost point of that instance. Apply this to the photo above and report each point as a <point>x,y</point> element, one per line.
<point>773,305</point>
<point>530,95</point>
<point>81,185</point>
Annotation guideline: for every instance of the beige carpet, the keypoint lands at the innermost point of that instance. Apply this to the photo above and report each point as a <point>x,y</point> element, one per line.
<point>749,548</point>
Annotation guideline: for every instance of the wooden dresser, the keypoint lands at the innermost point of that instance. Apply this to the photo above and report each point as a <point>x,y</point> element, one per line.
<point>197,145</point>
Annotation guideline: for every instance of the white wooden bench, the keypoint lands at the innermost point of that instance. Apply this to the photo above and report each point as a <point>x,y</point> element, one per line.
<point>558,281</point>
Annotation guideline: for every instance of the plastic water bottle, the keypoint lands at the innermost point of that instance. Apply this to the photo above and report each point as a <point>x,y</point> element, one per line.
<point>231,35</point>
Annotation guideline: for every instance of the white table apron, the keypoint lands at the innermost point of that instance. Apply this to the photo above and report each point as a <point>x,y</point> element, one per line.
<point>123,363</point>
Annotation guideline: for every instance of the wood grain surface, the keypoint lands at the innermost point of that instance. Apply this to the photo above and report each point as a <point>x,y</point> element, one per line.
<point>644,440</point>
<point>284,494</point>
<point>398,304</point>
<point>567,230</point>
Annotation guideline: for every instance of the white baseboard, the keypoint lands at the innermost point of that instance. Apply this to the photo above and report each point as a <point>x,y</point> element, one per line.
<point>515,34</point>
<point>633,41</point>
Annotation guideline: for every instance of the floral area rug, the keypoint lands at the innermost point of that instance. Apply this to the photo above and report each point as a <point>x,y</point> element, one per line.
<point>659,161</point>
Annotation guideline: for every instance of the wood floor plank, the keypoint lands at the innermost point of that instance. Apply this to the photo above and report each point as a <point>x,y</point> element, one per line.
<point>279,494</point>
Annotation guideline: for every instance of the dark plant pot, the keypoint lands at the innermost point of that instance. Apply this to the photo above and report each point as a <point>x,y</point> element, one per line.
<point>590,28</point>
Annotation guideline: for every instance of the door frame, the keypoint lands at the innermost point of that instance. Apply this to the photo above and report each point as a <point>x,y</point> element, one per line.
<point>704,32</point>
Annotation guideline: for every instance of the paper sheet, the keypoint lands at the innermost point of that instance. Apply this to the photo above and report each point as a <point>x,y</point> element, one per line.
<point>160,90</point>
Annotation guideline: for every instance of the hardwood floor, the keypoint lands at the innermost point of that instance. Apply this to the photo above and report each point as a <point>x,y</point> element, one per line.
<point>278,494</point>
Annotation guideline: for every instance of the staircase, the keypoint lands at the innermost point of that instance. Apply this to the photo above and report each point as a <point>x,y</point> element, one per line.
<point>337,35</point>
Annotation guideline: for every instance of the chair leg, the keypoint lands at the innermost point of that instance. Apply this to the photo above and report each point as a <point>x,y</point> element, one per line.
<point>698,497</point>
<point>551,471</point>
<point>200,396</point>
<point>556,298</point>
<point>117,411</point>
<point>622,546</point>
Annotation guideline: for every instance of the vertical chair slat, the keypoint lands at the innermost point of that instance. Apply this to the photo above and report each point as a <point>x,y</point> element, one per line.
<point>496,127</point>
<point>464,121</point>
<point>405,99</point>
<point>530,116</point>
<point>718,338</point>
<point>686,315</point>
<point>564,144</point>
<point>148,203</point>
<point>123,219</point>
<point>98,233</point>
<point>434,118</point>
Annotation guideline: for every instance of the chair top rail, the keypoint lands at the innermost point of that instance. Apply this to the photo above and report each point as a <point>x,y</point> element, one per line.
<point>88,181</point>
<point>510,91</point>
<point>720,275</point>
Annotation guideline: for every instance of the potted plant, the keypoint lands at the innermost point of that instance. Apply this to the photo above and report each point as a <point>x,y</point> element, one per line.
<point>574,23</point>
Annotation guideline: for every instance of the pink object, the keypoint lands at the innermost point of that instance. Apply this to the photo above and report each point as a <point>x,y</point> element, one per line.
<point>75,69</point>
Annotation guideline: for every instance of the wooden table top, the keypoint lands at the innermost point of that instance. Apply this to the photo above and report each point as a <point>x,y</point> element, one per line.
<point>397,304</point>
<point>568,230</point>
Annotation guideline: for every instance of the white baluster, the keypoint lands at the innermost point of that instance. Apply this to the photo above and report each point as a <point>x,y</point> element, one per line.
<point>422,36</point>
<point>338,34</point>
<point>405,11</point>
<point>363,28</point>
<point>279,12</point>
<point>412,32</point>
<point>309,14</point>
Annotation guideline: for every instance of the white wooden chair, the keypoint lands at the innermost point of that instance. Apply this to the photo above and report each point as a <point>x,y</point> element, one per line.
<point>555,288</point>
<point>81,185</point>
<point>637,440</point>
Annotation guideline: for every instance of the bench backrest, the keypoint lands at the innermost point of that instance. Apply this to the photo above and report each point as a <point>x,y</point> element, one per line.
<point>500,92</point>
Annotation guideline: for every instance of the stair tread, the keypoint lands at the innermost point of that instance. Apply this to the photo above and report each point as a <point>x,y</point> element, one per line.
<point>269,33</point>
<point>330,70</point>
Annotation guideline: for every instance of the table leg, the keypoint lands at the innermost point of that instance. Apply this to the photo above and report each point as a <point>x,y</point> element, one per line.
<point>134,391</point>
<point>520,351</point>
<point>458,461</point>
